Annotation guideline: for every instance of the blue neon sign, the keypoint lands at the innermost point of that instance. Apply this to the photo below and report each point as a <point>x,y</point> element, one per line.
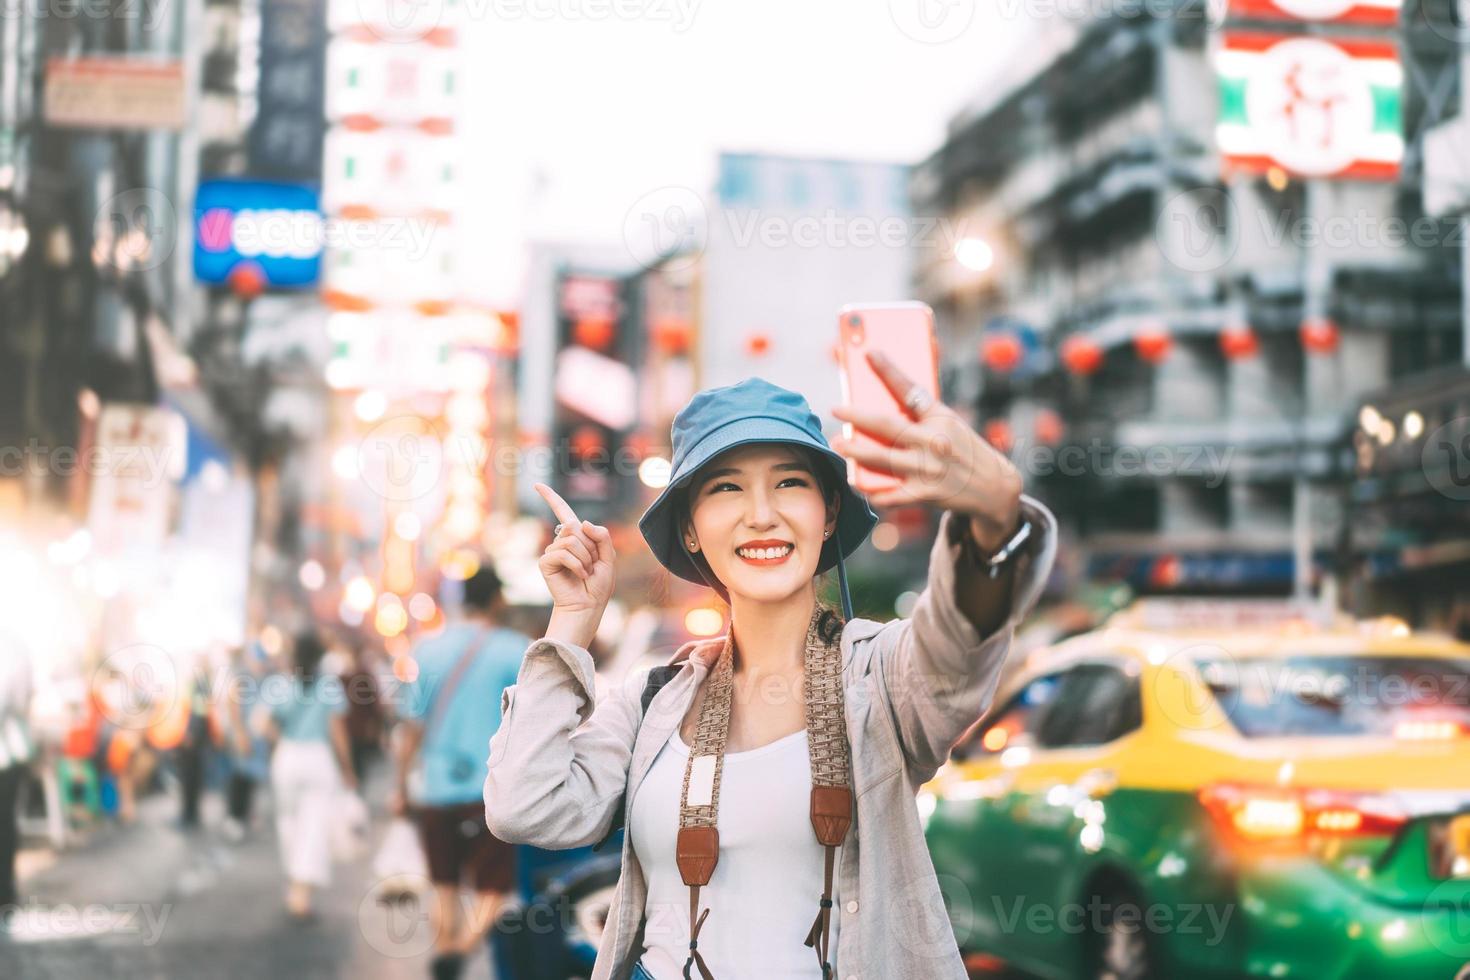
<point>276,227</point>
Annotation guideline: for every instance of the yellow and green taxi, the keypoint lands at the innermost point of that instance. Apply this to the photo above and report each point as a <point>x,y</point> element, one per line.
<point>1276,796</point>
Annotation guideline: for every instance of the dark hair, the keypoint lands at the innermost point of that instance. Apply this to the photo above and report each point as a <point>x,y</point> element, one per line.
<point>482,589</point>
<point>308,651</point>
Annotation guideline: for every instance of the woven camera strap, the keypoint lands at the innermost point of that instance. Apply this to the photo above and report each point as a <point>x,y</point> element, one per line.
<point>698,843</point>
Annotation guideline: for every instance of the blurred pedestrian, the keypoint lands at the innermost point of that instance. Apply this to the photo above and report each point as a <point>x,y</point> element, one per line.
<point>365,721</point>
<point>247,751</point>
<point>451,710</point>
<point>310,767</point>
<point>199,736</point>
<point>15,757</point>
<point>745,792</point>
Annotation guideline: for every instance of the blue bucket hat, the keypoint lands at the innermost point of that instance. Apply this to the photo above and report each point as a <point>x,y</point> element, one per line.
<point>736,415</point>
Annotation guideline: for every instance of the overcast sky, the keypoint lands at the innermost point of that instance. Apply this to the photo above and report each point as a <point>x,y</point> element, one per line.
<point>571,120</point>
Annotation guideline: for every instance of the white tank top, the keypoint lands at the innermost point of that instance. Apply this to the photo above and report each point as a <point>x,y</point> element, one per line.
<point>764,894</point>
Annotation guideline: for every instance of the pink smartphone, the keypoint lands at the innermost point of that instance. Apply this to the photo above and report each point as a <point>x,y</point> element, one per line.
<point>904,332</point>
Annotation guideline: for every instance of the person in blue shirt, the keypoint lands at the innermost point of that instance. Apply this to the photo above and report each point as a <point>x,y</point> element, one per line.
<point>451,710</point>
<point>309,768</point>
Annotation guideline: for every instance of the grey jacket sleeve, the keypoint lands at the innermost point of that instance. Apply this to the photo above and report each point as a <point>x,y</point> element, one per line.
<point>936,672</point>
<point>559,761</point>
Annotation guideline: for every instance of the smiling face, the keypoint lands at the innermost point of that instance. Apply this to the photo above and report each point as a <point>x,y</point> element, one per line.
<point>758,516</point>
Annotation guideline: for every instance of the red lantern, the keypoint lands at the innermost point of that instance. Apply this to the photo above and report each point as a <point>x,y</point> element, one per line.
<point>998,434</point>
<point>1081,355</point>
<point>671,334</point>
<point>1238,340</point>
<point>1166,572</point>
<point>758,344</point>
<point>1001,352</point>
<point>1049,427</point>
<point>1319,335</point>
<point>587,441</point>
<point>595,332</point>
<point>1153,343</point>
<point>247,280</point>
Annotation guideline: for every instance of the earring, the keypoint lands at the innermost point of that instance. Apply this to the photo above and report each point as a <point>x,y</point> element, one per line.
<point>691,542</point>
<point>826,534</point>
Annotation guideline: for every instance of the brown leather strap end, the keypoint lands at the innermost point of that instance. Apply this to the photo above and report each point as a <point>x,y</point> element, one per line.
<point>831,814</point>
<point>697,851</point>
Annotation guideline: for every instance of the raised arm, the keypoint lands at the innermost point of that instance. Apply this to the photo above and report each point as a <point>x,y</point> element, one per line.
<point>559,761</point>
<point>938,670</point>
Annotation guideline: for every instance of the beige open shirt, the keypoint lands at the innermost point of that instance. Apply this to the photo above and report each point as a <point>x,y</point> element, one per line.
<point>562,761</point>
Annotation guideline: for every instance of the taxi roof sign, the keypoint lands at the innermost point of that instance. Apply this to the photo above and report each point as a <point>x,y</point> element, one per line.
<point>1167,615</point>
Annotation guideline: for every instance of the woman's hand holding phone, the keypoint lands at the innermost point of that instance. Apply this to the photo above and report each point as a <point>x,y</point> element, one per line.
<point>578,569</point>
<point>936,458</point>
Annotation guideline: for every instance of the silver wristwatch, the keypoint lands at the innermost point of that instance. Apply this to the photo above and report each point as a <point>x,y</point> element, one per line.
<point>1009,550</point>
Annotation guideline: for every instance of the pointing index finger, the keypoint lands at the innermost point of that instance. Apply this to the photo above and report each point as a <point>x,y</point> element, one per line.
<point>559,507</point>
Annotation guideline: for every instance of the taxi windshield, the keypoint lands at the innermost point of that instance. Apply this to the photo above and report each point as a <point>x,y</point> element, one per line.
<point>1351,694</point>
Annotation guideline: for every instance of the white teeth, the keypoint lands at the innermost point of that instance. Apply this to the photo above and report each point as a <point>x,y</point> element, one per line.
<point>765,553</point>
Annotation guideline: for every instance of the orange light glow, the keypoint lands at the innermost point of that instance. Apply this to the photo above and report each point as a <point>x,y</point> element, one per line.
<point>406,669</point>
<point>1338,821</point>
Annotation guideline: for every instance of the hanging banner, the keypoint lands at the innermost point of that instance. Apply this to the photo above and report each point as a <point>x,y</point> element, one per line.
<point>138,454</point>
<point>1381,13</point>
<point>1311,106</point>
<point>286,138</point>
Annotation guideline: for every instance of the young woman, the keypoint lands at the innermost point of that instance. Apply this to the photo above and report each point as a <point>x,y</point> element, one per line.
<point>309,767</point>
<point>767,788</point>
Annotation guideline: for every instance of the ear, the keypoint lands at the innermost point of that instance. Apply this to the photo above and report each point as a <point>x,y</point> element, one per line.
<point>686,530</point>
<point>834,505</point>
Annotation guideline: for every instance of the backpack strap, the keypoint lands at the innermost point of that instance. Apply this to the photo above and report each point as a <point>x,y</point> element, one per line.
<point>657,678</point>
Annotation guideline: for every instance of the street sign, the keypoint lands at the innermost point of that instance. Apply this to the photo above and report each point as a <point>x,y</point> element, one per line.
<point>1313,106</point>
<point>114,92</point>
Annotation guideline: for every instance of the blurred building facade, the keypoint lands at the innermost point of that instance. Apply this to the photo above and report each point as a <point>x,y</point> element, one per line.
<point>1168,332</point>
<point>1409,529</point>
<point>743,282</point>
<point>790,241</point>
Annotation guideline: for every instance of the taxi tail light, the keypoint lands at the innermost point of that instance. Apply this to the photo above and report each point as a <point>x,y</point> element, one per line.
<point>1267,813</point>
